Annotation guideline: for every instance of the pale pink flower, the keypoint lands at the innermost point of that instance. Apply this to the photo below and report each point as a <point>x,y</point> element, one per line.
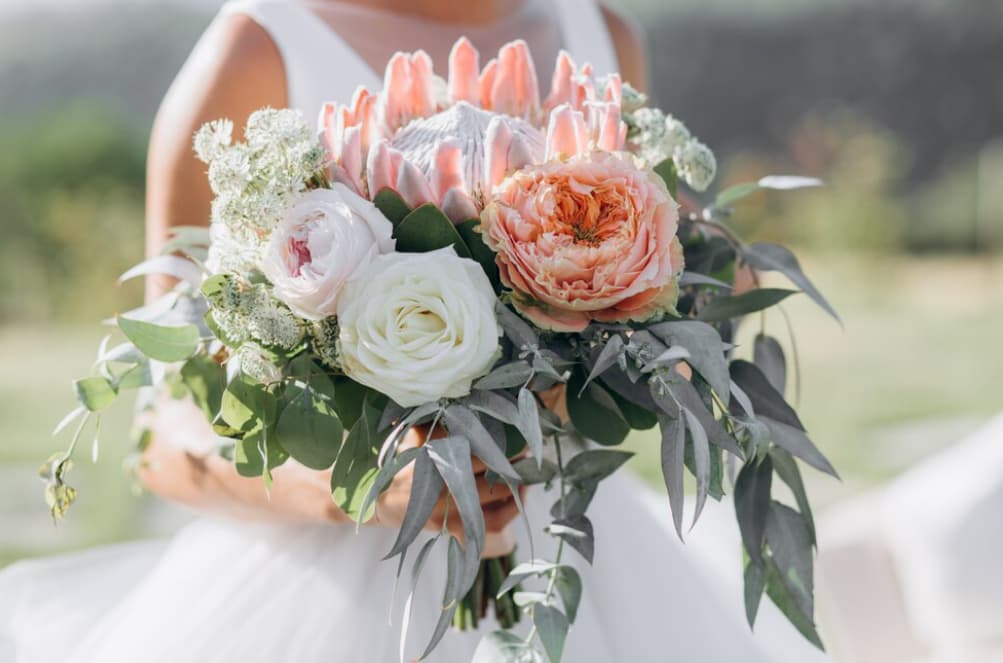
<point>583,239</point>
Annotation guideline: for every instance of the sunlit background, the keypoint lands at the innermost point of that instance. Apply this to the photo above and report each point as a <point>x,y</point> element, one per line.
<point>898,105</point>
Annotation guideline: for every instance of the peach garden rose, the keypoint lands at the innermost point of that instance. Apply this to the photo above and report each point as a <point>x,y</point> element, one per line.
<point>590,238</point>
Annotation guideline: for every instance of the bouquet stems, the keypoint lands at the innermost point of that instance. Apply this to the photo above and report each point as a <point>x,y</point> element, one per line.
<point>474,606</point>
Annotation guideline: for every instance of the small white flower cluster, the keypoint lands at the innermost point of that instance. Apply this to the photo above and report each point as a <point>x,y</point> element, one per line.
<point>245,312</point>
<point>256,363</point>
<point>324,341</point>
<point>656,137</point>
<point>256,181</point>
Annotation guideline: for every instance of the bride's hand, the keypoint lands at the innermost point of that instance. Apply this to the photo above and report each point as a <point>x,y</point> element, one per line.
<point>497,502</point>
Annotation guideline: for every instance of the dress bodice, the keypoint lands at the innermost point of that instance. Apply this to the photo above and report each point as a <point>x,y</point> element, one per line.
<point>328,50</point>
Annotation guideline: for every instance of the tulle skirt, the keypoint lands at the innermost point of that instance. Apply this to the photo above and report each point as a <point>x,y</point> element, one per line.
<point>222,592</point>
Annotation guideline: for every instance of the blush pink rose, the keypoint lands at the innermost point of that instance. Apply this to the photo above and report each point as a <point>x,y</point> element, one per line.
<point>583,239</point>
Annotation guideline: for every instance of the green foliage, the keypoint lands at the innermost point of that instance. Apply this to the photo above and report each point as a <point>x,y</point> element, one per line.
<point>426,229</point>
<point>161,342</point>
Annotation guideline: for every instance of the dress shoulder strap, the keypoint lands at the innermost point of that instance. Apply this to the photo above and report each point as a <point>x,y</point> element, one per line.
<point>585,34</point>
<point>319,65</point>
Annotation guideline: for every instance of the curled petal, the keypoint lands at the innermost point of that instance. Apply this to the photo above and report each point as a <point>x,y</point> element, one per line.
<point>520,153</point>
<point>606,126</point>
<point>464,65</point>
<point>408,90</point>
<point>498,139</point>
<point>561,84</point>
<point>327,128</point>
<point>458,205</point>
<point>614,89</point>
<point>447,170</point>
<point>382,167</point>
<point>566,134</point>
<point>412,185</point>
<point>363,115</point>
<point>487,82</point>
<point>422,85</point>
<point>351,156</point>
<point>515,90</point>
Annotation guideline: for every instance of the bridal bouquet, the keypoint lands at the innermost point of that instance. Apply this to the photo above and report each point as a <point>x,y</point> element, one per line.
<point>451,255</point>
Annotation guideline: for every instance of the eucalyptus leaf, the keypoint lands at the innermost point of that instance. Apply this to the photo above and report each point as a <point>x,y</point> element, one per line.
<point>705,348</point>
<point>696,279</point>
<point>206,382</point>
<point>506,376</point>
<point>461,420</point>
<point>787,469</point>
<point>523,571</point>
<point>781,595</point>
<point>531,473</point>
<point>672,455</point>
<point>743,400</point>
<point>576,501</point>
<point>493,404</point>
<point>735,193</point>
<point>568,583</point>
<point>416,569</point>
<point>180,268</point>
<point>387,472</point>
<point>798,444</point>
<point>516,329</point>
<point>158,342</point>
<point>789,539</point>
<point>773,257</point>
<point>426,489</point>
<point>529,423</point>
<point>246,403</point>
<point>427,229</point>
<point>688,397</point>
<point>577,532</point>
<point>752,505</point>
<point>469,230</point>
<point>94,393</point>
<point>701,457</point>
<point>595,464</point>
<point>666,169</point>
<point>503,647</point>
<point>769,357</point>
<point>608,356</point>
<point>755,583</point>
<point>355,470</point>
<point>726,308</point>
<point>594,412</point>
<point>70,417</point>
<point>765,398</point>
<point>451,456</point>
<point>552,629</point>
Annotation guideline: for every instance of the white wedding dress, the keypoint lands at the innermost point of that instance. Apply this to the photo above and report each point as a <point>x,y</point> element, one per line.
<point>222,591</point>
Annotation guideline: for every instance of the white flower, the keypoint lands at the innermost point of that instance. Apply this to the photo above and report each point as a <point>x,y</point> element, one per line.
<point>273,325</point>
<point>418,326</point>
<point>257,364</point>
<point>212,139</point>
<point>324,240</point>
<point>696,165</point>
<point>676,135</point>
<point>227,254</point>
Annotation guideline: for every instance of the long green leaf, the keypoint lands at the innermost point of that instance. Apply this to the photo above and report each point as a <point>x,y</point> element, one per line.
<point>552,629</point>
<point>94,393</point>
<point>752,505</point>
<point>160,342</point>
<point>672,456</point>
<point>426,489</point>
<point>773,257</point>
<point>735,306</point>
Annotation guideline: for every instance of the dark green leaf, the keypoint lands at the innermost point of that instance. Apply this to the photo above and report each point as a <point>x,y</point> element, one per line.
<point>666,169</point>
<point>755,583</point>
<point>349,397</point>
<point>531,473</point>
<point>696,278</point>
<point>607,358</point>
<point>426,488</point>
<point>94,393</point>
<point>688,397</point>
<point>552,629</point>
<point>638,418</point>
<point>769,357</point>
<point>391,205</point>
<point>772,257</point>
<point>752,505</point>
<point>781,595</point>
<point>576,501</point>
<point>705,347</point>
<point>767,400</point>
<point>245,403</point>
<point>595,464</point>
<point>469,230</point>
<point>494,405</point>
<point>789,539</point>
<point>355,471</point>
<point>594,413</point>
<point>386,475</point>
<point>672,454</point>
<point>427,229</point>
<point>159,342</point>
<point>735,306</point>
<point>250,452</point>
<point>206,381</point>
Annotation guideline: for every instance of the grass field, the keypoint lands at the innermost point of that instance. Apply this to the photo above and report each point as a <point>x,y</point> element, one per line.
<point>915,366</point>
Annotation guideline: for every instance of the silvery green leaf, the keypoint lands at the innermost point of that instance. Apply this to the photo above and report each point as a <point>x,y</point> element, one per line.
<point>517,329</point>
<point>392,414</point>
<point>789,182</point>
<point>545,368</point>
<point>70,417</point>
<point>701,460</point>
<point>138,376</point>
<point>357,466</point>
<point>696,278</point>
<point>755,583</point>
<point>168,344</point>
<point>450,595</point>
<point>789,539</point>
<point>530,472</point>
<point>735,193</point>
<point>180,268</point>
<point>506,376</point>
<point>767,400</point>
<point>743,399</point>
<point>523,599</point>
<point>451,456</point>
<point>463,421</point>
<point>595,464</point>
<point>608,356</point>
<point>426,488</point>
<point>552,629</point>
<point>419,564</point>
<point>94,393</point>
<point>705,347</point>
<point>576,501</point>
<point>184,238</point>
<point>569,585</point>
<point>494,404</point>
<point>664,400</point>
<point>529,423</point>
<point>752,504</point>
<point>673,456</point>
<point>577,532</point>
<point>688,397</point>
<point>386,474</point>
<point>504,647</point>
<point>797,443</point>
<point>124,353</point>
<point>525,570</point>
<point>667,358</point>
<point>726,308</point>
<point>785,598</point>
<point>206,382</point>
<point>769,357</point>
<point>787,469</point>
<point>772,257</point>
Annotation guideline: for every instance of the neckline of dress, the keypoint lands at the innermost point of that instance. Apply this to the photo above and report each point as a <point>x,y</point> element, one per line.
<point>375,12</point>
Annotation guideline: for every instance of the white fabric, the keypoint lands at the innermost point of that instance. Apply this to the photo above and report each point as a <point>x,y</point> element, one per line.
<point>228,592</point>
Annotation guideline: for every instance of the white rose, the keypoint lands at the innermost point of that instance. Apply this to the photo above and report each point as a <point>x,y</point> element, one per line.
<point>418,326</point>
<point>322,243</point>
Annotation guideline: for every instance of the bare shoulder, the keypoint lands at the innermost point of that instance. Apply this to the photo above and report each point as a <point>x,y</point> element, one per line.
<point>628,40</point>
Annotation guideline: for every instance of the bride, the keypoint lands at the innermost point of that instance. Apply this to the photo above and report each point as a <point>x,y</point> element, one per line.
<point>285,577</point>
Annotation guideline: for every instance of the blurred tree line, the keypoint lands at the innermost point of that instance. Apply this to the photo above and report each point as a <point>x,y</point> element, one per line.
<point>897,105</point>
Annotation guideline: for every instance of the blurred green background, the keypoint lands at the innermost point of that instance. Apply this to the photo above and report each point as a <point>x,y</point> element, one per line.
<point>898,105</point>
